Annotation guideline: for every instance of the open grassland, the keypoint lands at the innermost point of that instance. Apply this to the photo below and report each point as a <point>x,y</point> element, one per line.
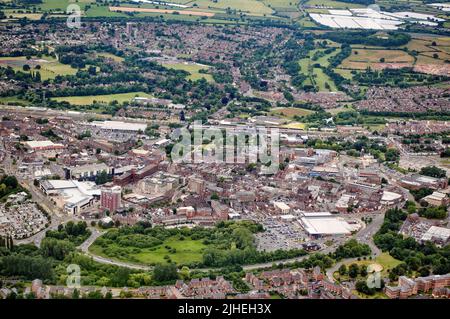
<point>361,59</point>
<point>323,81</point>
<point>113,57</point>
<point>13,100</point>
<point>193,69</point>
<point>50,67</point>
<point>61,5</point>
<point>289,112</point>
<point>104,99</point>
<point>386,261</point>
<point>181,252</point>
<point>315,75</point>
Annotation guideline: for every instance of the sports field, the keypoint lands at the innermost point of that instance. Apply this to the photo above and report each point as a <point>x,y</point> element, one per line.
<point>104,99</point>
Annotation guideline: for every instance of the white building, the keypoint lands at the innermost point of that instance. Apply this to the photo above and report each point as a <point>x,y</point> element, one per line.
<point>325,224</point>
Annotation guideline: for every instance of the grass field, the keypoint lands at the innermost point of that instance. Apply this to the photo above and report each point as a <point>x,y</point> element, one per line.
<point>50,67</point>
<point>289,112</point>
<point>385,260</point>
<point>316,76</point>
<point>295,125</point>
<point>104,99</point>
<point>361,59</point>
<point>110,56</point>
<point>187,251</point>
<point>193,69</point>
<point>252,7</point>
<point>321,80</point>
<point>31,16</point>
<point>13,100</point>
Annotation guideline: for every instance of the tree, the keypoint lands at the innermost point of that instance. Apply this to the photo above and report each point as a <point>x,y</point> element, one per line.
<point>353,271</point>
<point>165,273</point>
<point>243,237</point>
<point>343,270</point>
<point>433,171</point>
<point>75,294</point>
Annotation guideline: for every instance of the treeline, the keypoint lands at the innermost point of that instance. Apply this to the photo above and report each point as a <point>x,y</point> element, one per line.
<point>429,115</point>
<point>9,185</point>
<point>363,2</point>
<point>394,39</point>
<point>76,233</point>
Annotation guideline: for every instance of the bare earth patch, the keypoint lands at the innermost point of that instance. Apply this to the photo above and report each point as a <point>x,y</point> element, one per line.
<point>436,69</point>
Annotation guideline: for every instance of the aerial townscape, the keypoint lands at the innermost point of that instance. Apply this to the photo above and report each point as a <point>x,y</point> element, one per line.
<point>224,149</point>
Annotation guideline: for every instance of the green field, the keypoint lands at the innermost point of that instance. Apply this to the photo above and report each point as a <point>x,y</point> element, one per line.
<point>289,112</point>
<point>193,69</point>
<point>316,76</point>
<point>187,251</point>
<point>50,67</point>
<point>110,56</point>
<point>104,99</point>
<point>386,261</point>
<point>252,7</point>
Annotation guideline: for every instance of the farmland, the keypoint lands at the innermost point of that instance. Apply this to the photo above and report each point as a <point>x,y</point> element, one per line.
<point>361,59</point>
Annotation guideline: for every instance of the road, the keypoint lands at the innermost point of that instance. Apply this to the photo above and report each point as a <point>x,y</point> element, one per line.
<point>364,236</point>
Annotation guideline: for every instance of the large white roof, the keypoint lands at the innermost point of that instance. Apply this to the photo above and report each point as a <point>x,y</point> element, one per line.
<point>326,226</point>
<point>120,126</point>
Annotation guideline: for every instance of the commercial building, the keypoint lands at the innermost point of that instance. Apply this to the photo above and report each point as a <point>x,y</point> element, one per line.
<point>119,126</point>
<point>43,145</point>
<point>110,198</point>
<point>438,235</point>
<point>436,199</point>
<point>87,172</point>
<point>159,183</point>
<point>73,196</point>
<point>324,224</point>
